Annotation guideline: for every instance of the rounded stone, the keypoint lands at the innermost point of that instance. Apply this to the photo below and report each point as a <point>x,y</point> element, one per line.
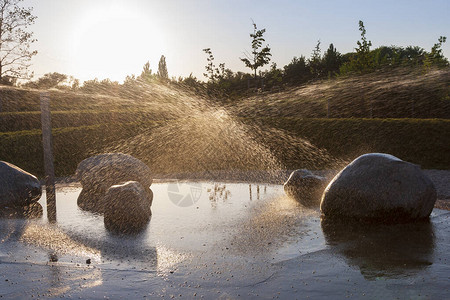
<point>99,172</point>
<point>379,187</point>
<point>127,207</point>
<point>17,187</point>
<point>305,187</point>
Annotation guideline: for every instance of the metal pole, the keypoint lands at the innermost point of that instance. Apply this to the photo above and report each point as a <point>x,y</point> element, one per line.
<point>48,157</point>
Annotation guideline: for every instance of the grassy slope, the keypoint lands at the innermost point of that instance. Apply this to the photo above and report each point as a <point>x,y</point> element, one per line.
<point>87,124</point>
<point>394,93</point>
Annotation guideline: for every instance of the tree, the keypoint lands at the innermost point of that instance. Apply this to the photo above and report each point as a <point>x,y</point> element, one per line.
<point>162,68</point>
<point>315,62</point>
<point>75,83</point>
<point>15,40</point>
<point>435,57</point>
<point>274,76</point>
<point>361,61</point>
<point>146,71</point>
<point>363,50</point>
<point>296,71</point>
<point>213,73</point>
<point>331,61</point>
<point>211,69</point>
<point>146,74</point>
<point>260,55</point>
<point>49,80</point>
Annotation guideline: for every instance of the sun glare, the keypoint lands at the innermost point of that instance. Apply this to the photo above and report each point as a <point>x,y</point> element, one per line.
<point>115,42</point>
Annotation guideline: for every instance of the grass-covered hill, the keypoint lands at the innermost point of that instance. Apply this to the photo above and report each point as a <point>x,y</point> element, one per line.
<point>387,93</point>
<point>173,130</point>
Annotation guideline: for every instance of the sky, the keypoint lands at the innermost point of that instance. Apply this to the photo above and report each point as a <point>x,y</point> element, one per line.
<point>111,39</point>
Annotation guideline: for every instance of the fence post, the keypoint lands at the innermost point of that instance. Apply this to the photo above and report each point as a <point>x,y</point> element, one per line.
<point>328,108</point>
<point>48,157</point>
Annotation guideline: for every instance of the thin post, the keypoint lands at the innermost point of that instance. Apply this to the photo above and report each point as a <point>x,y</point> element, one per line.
<point>328,108</point>
<point>48,157</point>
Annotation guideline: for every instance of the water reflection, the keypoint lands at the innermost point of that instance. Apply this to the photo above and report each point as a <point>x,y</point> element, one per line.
<point>126,227</point>
<point>32,211</point>
<point>218,193</point>
<point>59,283</point>
<point>132,249</point>
<point>383,251</point>
<point>257,191</point>
<point>14,220</point>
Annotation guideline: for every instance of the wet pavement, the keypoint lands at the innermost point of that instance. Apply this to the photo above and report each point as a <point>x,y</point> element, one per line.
<point>220,240</point>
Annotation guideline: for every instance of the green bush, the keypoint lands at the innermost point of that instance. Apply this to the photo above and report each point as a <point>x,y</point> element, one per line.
<point>19,121</point>
<point>424,142</point>
<point>70,146</point>
<point>421,141</point>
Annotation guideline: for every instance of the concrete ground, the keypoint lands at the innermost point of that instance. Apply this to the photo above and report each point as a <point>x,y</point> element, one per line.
<point>234,240</point>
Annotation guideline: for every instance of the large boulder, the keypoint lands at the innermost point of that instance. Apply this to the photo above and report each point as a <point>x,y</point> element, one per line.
<point>98,173</point>
<point>17,187</point>
<point>305,187</point>
<point>379,187</point>
<point>127,207</point>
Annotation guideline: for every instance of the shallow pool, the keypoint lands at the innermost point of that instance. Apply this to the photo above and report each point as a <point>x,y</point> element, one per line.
<point>218,239</point>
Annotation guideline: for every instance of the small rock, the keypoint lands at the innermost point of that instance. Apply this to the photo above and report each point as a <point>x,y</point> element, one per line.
<point>127,207</point>
<point>305,187</point>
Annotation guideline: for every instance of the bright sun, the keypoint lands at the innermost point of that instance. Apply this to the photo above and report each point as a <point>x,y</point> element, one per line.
<point>115,42</point>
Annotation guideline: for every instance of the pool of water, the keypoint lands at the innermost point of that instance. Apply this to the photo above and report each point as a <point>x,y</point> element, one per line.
<point>218,239</point>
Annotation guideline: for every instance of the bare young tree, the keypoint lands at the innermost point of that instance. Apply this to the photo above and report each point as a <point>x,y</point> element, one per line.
<point>260,55</point>
<point>15,40</point>
<point>162,68</point>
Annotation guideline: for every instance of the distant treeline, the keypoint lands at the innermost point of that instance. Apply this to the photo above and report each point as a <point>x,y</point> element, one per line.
<point>331,64</point>
<point>299,71</point>
<point>224,84</point>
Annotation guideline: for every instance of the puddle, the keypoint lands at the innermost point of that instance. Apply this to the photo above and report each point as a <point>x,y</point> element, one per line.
<point>216,239</point>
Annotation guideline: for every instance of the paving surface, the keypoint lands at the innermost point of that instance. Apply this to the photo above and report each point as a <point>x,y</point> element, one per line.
<point>221,240</point>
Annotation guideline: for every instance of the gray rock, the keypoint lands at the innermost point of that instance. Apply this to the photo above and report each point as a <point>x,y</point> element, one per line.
<point>98,173</point>
<point>127,207</point>
<point>91,201</point>
<point>305,187</point>
<point>17,187</point>
<point>379,187</point>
